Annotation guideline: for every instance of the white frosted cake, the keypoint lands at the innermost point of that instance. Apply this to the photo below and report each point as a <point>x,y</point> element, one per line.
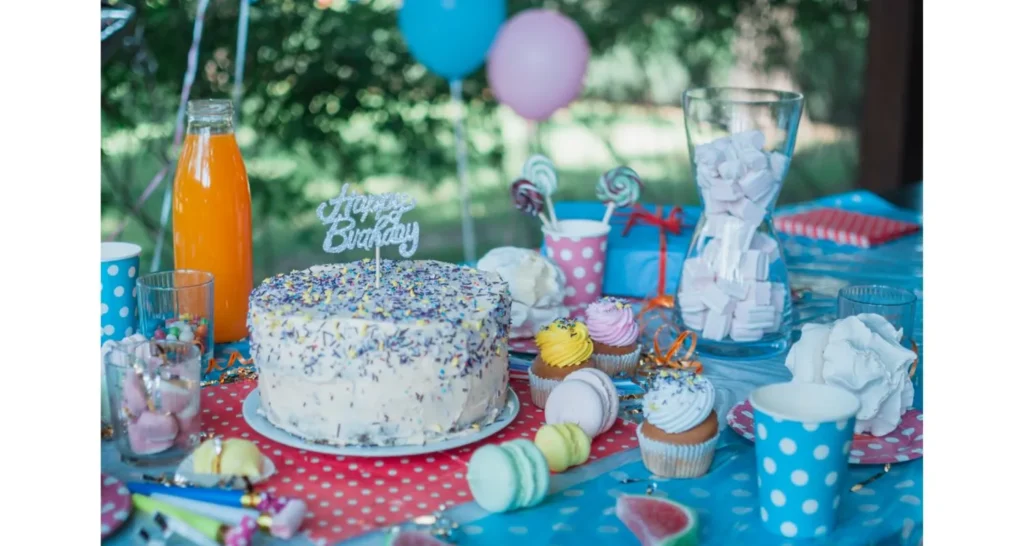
<point>421,359</point>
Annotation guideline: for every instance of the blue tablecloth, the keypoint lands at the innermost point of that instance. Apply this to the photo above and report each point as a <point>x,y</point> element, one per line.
<point>579,510</point>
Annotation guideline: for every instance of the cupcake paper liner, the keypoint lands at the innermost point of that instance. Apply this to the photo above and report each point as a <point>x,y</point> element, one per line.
<point>676,461</point>
<point>614,364</point>
<point>540,389</point>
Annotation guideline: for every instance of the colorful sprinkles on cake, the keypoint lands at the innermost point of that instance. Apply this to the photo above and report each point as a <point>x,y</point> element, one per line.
<point>414,295</point>
<point>669,384</point>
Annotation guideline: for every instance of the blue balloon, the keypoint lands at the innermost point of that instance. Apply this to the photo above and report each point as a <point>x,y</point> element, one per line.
<point>451,37</point>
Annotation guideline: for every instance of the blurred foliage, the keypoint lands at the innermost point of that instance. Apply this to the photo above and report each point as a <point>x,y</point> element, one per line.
<point>335,90</point>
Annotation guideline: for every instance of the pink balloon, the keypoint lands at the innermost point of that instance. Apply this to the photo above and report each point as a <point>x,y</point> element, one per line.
<point>538,63</point>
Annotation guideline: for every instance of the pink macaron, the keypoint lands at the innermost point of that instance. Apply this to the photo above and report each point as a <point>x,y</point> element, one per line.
<point>604,385</point>
<point>576,402</point>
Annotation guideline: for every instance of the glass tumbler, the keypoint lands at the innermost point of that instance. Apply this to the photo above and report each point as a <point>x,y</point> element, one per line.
<point>897,305</point>
<point>178,306</point>
<point>734,292</point>
<point>153,387</point>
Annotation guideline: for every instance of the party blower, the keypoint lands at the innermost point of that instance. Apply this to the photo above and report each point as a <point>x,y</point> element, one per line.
<point>227,535</point>
<point>283,523</point>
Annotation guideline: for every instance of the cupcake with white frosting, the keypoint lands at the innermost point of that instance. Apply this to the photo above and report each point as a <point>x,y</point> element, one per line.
<point>680,427</point>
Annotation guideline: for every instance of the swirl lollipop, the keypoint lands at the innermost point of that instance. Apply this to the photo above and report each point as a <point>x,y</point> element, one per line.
<point>527,199</point>
<point>619,187</point>
<point>541,171</point>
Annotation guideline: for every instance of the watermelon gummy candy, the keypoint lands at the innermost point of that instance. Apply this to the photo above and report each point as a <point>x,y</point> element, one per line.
<point>658,521</point>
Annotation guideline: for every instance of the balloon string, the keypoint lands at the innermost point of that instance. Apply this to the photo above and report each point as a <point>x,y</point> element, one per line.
<point>462,163</point>
<point>179,122</point>
<point>240,46</point>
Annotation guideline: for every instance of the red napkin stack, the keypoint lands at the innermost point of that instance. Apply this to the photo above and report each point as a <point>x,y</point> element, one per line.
<point>844,227</point>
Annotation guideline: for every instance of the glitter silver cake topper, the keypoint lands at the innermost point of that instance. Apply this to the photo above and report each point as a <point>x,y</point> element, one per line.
<point>348,209</point>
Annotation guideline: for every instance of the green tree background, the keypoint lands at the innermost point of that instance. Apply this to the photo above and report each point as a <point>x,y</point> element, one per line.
<point>331,95</point>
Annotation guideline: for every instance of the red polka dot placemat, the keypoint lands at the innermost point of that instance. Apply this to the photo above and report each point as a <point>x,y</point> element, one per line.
<point>348,496</point>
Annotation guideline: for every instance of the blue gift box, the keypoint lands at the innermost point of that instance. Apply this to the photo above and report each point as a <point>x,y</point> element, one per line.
<point>633,263</point>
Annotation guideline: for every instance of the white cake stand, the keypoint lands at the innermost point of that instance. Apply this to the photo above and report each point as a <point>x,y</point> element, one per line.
<point>254,418</point>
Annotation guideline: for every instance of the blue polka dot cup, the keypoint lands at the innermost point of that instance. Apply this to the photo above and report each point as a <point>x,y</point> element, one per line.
<point>119,268</point>
<point>802,438</point>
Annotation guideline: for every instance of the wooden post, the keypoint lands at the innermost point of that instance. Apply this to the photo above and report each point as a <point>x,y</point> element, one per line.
<point>890,131</point>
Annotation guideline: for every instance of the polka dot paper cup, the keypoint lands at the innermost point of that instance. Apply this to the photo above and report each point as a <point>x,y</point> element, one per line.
<point>802,438</point>
<point>579,248</point>
<point>119,269</point>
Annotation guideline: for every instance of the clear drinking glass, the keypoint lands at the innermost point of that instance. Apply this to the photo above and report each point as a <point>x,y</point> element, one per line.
<point>178,306</point>
<point>734,291</point>
<point>897,305</point>
<point>153,387</point>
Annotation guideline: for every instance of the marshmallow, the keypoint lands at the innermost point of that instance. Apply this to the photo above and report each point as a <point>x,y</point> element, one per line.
<point>767,245</point>
<point>690,302</point>
<point>725,190</point>
<point>779,296</point>
<point>754,265</point>
<point>738,332</point>
<point>712,205</point>
<point>758,314</point>
<point>761,293</point>
<point>730,170</point>
<point>747,210</point>
<point>753,160</point>
<point>716,326</point>
<point>705,174</point>
<point>776,324</point>
<point>749,140</point>
<point>695,321</point>
<point>733,288</point>
<point>757,184</point>
<point>707,154</point>
<point>725,226</point>
<point>696,270</point>
<point>779,164</point>
<point>717,300</point>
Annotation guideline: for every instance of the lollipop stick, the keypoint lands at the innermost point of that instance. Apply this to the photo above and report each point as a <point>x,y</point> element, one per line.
<point>608,213</point>
<point>544,220</point>
<point>551,212</point>
<point>377,269</point>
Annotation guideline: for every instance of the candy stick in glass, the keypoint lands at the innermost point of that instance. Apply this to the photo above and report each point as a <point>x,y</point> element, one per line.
<point>619,187</point>
<point>539,170</point>
<point>528,200</point>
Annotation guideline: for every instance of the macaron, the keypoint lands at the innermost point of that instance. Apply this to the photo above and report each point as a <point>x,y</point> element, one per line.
<point>238,458</point>
<point>508,476</point>
<point>604,384</point>
<point>493,479</point>
<point>576,402</point>
<point>563,445</point>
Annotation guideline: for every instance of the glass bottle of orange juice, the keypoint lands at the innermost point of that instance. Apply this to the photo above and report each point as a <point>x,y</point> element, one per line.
<point>213,214</point>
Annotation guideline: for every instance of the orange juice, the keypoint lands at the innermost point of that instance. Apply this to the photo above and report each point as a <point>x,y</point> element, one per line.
<point>212,214</point>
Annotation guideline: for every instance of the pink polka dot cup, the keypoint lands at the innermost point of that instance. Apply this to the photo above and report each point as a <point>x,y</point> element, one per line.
<point>579,248</point>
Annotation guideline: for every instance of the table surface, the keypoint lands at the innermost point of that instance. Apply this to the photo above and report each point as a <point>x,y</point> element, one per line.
<point>579,507</point>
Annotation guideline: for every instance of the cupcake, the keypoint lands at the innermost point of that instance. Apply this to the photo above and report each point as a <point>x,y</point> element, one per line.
<point>614,331</point>
<point>564,346</point>
<point>680,427</point>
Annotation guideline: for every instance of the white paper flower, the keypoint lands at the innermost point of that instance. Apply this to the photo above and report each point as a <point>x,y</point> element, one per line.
<point>861,354</point>
<point>536,284</point>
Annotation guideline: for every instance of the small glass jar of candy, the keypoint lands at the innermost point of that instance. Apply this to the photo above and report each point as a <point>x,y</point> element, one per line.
<point>178,306</point>
<point>153,389</point>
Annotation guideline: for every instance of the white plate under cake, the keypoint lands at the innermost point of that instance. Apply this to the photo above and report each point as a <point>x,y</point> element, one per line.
<point>421,359</point>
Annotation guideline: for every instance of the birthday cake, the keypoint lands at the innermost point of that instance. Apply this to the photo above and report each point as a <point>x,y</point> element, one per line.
<point>419,359</point>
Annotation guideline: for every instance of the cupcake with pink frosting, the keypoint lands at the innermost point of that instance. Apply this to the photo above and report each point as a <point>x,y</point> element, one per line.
<point>614,331</point>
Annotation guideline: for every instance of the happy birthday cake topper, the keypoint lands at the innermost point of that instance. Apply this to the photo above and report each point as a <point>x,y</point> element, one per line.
<point>388,229</point>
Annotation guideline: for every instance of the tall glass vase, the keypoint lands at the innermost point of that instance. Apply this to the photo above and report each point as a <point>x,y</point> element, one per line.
<point>734,291</point>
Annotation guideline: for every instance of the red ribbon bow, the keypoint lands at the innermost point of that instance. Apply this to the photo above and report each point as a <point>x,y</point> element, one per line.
<point>672,223</point>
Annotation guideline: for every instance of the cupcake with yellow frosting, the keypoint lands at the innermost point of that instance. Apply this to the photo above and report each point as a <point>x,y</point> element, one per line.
<point>564,346</point>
